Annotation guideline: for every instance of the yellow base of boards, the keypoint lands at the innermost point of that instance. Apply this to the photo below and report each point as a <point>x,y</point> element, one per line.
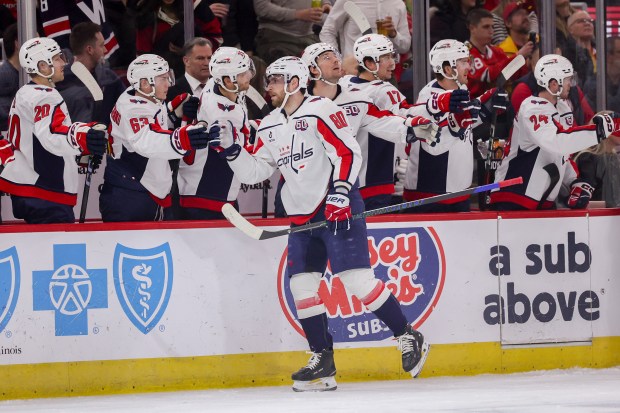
<point>26,381</point>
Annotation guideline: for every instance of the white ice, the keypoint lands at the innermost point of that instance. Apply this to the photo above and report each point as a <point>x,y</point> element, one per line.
<point>573,390</point>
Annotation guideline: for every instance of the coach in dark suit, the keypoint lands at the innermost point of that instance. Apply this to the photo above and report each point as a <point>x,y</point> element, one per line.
<point>196,57</point>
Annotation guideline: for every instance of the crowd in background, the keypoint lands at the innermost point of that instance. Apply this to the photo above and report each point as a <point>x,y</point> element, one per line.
<point>494,30</point>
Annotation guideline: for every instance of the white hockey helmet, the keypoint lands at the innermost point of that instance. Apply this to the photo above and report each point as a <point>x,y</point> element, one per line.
<point>447,50</point>
<point>373,46</point>
<point>312,52</point>
<point>35,50</point>
<point>230,61</point>
<point>553,66</point>
<point>146,66</point>
<point>289,67</point>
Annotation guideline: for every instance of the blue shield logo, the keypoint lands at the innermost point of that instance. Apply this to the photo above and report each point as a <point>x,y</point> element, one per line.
<point>143,283</point>
<point>9,284</point>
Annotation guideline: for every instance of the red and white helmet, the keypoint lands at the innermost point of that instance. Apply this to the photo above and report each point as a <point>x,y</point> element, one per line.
<point>553,66</point>
<point>373,46</point>
<point>289,67</point>
<point>230,61</point>
<point>36,50</point>
<point>447,50</point>
<point>146,66</point>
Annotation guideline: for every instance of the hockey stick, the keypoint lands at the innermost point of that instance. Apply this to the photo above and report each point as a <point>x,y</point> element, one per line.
<point>554,177</point>
<point>358,17</point>
<point>252,231</point>
<point>82,73</point>
<point>261,103</point>
<point>491,161</point>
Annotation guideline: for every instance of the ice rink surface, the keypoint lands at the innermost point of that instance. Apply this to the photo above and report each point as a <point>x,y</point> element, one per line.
<point>574,390</point>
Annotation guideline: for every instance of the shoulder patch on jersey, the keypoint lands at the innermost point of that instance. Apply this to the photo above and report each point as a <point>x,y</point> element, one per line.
<point>137,101</point>
<point>43,88</point>
<point>354,89</point>
<point>225,108</point>
<point>539,102</point>
<point>316,98</point>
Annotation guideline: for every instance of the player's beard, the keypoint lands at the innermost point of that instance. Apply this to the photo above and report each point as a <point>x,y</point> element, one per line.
<point>276,100</point>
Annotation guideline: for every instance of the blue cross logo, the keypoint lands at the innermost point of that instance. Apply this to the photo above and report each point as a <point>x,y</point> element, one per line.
<point>70,289</point>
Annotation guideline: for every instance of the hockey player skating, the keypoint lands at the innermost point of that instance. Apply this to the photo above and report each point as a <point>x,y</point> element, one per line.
<point>373,128</point>
<point>205,180</point>
<point>138,178</point>
<point>543,138</point>
<point>449,165</point>
<point>310,141</point>
<point>43,180</point>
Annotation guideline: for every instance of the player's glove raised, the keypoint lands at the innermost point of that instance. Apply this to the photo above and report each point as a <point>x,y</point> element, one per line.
<point>606,124</point>
<point>187,138</point>
<point>422,129</point>
<point>89,138</point>
<point>226,141</point>
<point>338,210</point>
<point>6,152</point>
<point>492,101</point>
<point>183,106</point>
<point>453,102</point>
<point>580,194</point>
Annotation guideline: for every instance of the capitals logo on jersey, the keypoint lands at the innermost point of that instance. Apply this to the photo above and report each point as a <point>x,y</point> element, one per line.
<point>411,263</point>
<point>226,108</point>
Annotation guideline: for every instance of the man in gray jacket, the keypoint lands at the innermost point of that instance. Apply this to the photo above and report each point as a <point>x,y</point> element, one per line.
<point>285,27</point>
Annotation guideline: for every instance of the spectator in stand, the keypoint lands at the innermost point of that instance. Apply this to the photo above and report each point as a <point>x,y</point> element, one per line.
<point>159,27</point>
<point>342,32</point>
<point>88,48</point>
<point>487,60</point>
<point>6,19</point>
<point>285,27</point>
<point>613,74</point>
<point>241,26</point>
<point>449,20</point>
<point>563,10</point>
<point>526,86</point>
<point>518,23</point>
<point>9,75</point>
<point>580,47</point>
<point>599,166</point>
<point>500,29</point>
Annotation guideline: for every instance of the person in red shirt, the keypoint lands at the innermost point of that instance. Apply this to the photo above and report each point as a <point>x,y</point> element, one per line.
<point>487,60</point>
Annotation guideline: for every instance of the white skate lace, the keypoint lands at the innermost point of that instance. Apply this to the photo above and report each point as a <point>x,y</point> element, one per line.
<point>405,343</point>
<point>314,360</point>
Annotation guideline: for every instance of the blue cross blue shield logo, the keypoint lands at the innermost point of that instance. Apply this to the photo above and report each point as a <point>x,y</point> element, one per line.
<point>143,283</point>
<point>70,289</point>
<point>9,284</point>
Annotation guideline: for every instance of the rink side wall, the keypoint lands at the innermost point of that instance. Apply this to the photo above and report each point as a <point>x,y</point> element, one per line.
<point>101,308</point>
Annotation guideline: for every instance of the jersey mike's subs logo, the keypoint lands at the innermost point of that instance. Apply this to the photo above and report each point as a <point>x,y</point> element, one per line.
<point>411,264</point>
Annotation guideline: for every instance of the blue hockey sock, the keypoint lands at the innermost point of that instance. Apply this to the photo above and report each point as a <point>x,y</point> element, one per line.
<point>392,315</point>
<point>317,333</point>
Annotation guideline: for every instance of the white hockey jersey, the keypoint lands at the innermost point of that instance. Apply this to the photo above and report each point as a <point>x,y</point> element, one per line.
<point>543,134</point>
<point>378,145</point>
<point>205,179</point>
<point>446,167</point>
<point>141,147</point>
<point>45,165</point>
<point>376,132</point>
<point>312,147</point>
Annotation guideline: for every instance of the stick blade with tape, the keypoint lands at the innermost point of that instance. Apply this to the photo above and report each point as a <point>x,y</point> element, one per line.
<point>89,81</point>
<point>360,19</point>
<point>509,71</point>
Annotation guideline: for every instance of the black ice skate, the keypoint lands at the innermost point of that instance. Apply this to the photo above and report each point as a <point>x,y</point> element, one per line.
<point>414,349</point>
<point>318,374</point>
